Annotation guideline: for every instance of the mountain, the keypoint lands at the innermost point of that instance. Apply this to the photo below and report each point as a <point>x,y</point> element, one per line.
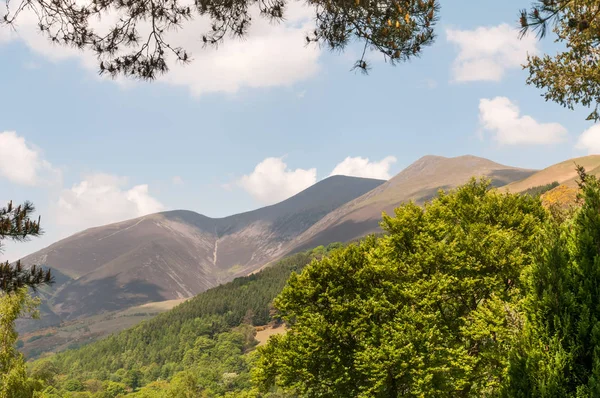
<point>418,182</point>
<point>177,254</point>
<point>564,173</point>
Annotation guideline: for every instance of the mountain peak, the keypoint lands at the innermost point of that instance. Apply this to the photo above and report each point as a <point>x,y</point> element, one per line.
<point>179,253</point>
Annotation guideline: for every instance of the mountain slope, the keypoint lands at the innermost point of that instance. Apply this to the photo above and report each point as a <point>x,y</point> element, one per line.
<point>564,173</point>
<point>178,254</point>
<point>419,182</point>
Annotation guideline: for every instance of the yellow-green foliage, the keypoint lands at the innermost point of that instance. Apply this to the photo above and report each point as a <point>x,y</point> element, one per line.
<point>14,382</point>
<point>561,197</point>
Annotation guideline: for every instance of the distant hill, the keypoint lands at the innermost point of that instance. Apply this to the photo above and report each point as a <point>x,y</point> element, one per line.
<point>418,182</point>
<point>564,173</point>
<point>177,254</point>
<point>558,181</point>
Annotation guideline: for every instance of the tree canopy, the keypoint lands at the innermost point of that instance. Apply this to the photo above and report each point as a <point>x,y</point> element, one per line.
<point>426,310</point>
<point>559,352</point>
<point>14,381</point>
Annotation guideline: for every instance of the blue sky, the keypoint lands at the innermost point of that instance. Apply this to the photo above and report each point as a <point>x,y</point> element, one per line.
<point>105,151</point>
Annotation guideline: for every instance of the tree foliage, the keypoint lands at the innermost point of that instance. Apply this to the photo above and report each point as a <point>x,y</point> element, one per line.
<point>14,382</point>
<point>426,310</point>
<point>16,225</point>
<point>136,44</point>
<point>559,355</point>
<point>571,76</point>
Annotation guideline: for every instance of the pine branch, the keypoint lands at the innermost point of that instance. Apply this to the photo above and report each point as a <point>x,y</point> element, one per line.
<point>14,277</point>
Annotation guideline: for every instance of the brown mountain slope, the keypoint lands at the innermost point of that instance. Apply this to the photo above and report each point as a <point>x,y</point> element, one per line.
<point>177,254</point>
<point>563,172</point>
<point>419,182</point>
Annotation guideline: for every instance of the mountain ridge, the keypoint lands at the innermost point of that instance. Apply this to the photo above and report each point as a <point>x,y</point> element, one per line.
<point>418,182</point>
<point>179,253</point>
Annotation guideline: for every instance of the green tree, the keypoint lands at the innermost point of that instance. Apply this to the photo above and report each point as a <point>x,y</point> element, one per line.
<point>426,310</point>
<point>559,355</point>
<point>571,76</point>
<point>44,371</point>
<point>16,225</point>
<point>48,392</point>
<point>184,385</point>
<point>113,389</point>
<point>14,382</point>
<point>72,385</point>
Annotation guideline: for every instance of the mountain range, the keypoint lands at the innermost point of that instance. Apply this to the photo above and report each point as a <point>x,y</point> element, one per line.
<point>174,255</point>
<point>177,254</point>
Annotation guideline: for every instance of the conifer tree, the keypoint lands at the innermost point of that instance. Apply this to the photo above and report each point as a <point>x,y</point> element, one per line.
<point>137,44</point>
<point>571,76</point>
<point>16,225</point>
<point>559,355</point>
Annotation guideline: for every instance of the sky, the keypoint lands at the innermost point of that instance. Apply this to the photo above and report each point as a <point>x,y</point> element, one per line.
<point>259,120</point>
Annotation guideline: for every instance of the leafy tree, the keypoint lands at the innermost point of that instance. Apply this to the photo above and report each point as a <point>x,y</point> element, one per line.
<point>559,355</point>
<point>570,77</point>
<point>184,385</point>
<point>113,389</point>
<point>72,385</point>
<point>48,392</point>
<point>136,43</point>
<point>426,310</point>
<point>45,371</point>
<point>16,225</point>
<point>14,382</point>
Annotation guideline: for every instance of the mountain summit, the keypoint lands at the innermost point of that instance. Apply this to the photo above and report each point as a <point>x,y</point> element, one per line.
<point>418,182</point>
<point>178,254</point>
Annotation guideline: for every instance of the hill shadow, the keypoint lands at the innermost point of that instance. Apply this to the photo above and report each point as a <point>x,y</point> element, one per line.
<point>104,295</point>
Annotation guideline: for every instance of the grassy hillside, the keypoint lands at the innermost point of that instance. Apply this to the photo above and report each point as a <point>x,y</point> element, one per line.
<point>564,173</point>
<point>418,182</point>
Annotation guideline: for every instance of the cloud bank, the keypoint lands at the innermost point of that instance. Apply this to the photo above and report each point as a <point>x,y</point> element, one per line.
<point>502,118</point>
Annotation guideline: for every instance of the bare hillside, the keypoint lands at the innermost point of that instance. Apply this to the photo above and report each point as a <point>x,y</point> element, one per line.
<point>178,254</point>
<point>418,182</point>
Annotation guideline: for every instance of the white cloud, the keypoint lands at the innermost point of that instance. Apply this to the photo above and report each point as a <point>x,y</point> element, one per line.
<point>102,199</point>
<point>23,164</point>
<point>363,167</point>
<point>271,54</point>
<point>590,140</point>
<point>177,180</point>
<point>502,118</point>
<point>271,181</point>
<point>486,53</point>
